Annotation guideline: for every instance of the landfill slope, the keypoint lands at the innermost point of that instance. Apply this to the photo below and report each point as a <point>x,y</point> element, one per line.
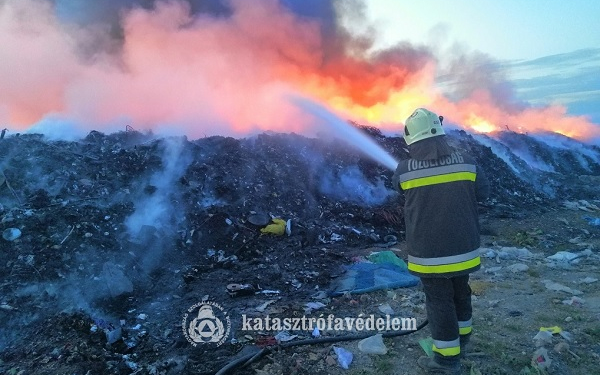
<point>108,241</point>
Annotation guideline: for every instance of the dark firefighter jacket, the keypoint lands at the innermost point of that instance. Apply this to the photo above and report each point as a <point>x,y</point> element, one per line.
<point>441,187</point>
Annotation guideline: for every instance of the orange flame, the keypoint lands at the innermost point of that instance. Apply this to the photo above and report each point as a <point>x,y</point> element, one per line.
<point>479,124</point>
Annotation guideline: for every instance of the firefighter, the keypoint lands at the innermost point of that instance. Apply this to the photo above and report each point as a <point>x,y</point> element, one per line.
<point>441,186</point>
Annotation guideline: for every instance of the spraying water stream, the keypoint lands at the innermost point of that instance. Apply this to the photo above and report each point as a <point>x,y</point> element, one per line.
<point>349,133</point>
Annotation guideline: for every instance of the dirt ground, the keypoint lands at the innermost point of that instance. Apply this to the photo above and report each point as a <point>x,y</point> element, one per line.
<point>509,308</point>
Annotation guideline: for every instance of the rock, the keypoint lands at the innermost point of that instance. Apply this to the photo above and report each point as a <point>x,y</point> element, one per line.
<point>116,281</point>
<point>551,285</point>
<point>11,234</point>
<point>561,347</point>
<point>373,345</point>
<point>518,267</point>
<point>588,280</point>
<point>386,309</point>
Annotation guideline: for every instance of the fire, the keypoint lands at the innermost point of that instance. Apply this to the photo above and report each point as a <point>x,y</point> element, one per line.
<point>228,75</point>
<point>479,124</point>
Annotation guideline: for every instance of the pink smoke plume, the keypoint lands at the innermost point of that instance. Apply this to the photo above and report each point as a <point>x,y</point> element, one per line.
<point>170,70</point>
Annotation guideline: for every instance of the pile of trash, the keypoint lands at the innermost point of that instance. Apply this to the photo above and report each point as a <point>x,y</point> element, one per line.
<point>109,239</point>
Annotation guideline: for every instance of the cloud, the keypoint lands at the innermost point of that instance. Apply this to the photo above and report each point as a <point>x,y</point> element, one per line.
<point>569,79</point>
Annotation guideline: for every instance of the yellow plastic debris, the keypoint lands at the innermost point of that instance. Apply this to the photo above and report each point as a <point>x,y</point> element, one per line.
<point>554,330</point>
<point>277,228</point>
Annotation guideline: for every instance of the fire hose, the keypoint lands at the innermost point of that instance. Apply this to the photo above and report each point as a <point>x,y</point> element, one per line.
<point>253,357</point>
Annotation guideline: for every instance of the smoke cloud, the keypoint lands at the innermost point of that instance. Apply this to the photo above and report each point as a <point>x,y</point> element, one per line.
<point>351,185</point>
<point>202,68</point>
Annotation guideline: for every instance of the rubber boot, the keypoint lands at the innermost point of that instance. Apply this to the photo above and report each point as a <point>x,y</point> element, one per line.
<point>431,366</point>
<point>465,345</point>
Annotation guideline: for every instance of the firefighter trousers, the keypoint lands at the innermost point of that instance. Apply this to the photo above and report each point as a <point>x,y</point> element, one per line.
<point>449,311</point>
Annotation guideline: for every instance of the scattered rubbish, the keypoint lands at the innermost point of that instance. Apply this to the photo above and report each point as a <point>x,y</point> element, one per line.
<point>262,307</point>
<point>387,257</point>
<point>541,359</point>
<point>238,290</point>
<point>563,256</point>
<point>132,365</point>
<point>551,285</point>
<point>574,301</point>
<point>373,345</point>
<point>592,220</point>
<point>288,227</point>
<point>545,331</point>
<point>427,346</point>
<point>576,240</point>
<point>316,333</point>
<point>320,295</point>
<point>552,330</point>
<point>493,269</point>
<point>518,267</point>
<point>368,277</point>
<point>7,307</point>
<point>543,338</point>
<point>566,335</point>
<point>220,258</point>
<point>268,292</point>
<point>296,283</point>
<point>310,306</point>
<point>262,342</point>
<point>284,336</point>
<point>386,309</point>
<point>390,239</point>
<point>198,193</point>
<point>113,335</point>
<point>142,316</point>
<point>344,357</point>
<point>566,256</point>
<point>259,219</point>
<point>561,347</point>
<point>588,280</point>
<point>582,205</point>
<point>11,234</point>
<point>277,227</point>
<point>115,280</point>
<point>506,253</point>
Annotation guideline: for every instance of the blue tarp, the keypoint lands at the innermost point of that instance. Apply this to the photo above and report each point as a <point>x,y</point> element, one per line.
<point>368,277</point>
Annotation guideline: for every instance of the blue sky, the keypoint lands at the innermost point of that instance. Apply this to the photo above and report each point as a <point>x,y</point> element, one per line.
<point>549,49</point>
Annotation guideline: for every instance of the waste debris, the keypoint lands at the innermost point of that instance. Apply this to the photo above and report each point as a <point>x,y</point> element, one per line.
<point>136,229</point>
<point>373,345</point>
<point>344,357</point>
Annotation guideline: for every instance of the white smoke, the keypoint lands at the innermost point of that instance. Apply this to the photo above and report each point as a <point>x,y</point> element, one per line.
<point>351,185</point>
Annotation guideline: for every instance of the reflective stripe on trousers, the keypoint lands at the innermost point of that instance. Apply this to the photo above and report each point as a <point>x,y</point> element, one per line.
<point>465,327</point>
<point>447,348</point>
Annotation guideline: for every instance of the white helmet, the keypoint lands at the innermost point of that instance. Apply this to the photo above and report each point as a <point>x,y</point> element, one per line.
<point>422,124</point>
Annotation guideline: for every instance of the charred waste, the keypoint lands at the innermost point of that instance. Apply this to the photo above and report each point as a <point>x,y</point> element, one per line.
<point>101,230</point>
